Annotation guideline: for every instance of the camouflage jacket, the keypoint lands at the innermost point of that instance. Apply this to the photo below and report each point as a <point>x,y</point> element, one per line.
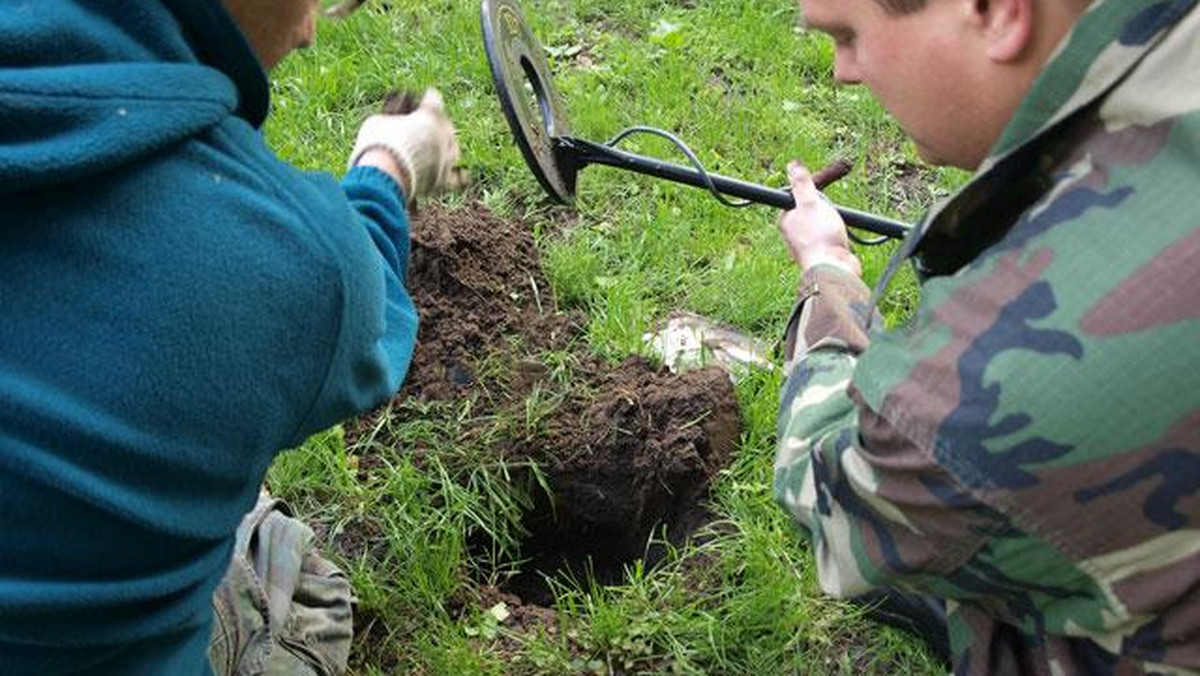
<point>1028,446</point>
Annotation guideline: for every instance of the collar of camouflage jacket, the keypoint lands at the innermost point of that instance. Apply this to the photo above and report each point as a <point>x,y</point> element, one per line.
<point>1095,60</point>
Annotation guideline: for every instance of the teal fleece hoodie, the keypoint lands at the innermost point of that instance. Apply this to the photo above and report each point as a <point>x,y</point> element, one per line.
<point>177,305</point>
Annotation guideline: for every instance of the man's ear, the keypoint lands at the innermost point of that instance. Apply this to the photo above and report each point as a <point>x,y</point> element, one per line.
<point>1007,27</point>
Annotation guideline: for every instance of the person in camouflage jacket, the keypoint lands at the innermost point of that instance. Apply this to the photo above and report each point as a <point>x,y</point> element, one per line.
<point>1027,447</point>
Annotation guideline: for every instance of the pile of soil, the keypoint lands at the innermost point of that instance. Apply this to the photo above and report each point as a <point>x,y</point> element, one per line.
<point>476,279</point>
<point>629,451</point>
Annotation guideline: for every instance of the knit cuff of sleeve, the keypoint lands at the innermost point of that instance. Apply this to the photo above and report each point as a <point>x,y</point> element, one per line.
<point>378,178</point>
<point>402,156</point>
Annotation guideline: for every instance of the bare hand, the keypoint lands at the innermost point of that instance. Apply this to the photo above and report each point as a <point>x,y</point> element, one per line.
<point>814,231</point>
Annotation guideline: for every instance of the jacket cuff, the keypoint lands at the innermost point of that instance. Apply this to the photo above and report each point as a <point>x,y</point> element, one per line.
<point>374,177</point>
<point>832,304</point>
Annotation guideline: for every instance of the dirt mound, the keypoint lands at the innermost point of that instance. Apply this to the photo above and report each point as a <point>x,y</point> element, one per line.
<point>475,279</point>
<point>628,451</point>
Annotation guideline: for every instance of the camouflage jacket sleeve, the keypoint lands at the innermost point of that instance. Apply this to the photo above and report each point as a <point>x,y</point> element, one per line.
<point>868,497</point>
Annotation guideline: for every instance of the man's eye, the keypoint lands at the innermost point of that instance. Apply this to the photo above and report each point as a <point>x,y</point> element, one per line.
<point>842,38</point>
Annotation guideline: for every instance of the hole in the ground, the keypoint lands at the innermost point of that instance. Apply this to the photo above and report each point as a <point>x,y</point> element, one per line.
<point>629,469</point>
<point>593,554</point>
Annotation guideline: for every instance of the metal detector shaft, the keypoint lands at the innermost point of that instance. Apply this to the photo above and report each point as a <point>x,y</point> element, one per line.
<point>582,152</point>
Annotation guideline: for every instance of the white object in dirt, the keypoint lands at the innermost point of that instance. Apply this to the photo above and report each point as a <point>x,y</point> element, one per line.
<point>686,341</point>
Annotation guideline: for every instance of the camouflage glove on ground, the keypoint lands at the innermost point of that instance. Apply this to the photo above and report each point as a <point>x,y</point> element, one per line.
<point>422,142</point>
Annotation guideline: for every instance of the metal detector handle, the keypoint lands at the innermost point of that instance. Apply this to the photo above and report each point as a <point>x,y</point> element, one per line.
<point>582,152</point>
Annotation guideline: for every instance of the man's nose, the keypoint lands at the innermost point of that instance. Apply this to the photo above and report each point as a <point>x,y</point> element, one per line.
<point>846,75</point>
<point>308,32</point>
<point>846,70</point>
<point>843,78</point>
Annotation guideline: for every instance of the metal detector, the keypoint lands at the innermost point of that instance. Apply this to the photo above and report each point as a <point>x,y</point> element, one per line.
<point>539,122</point>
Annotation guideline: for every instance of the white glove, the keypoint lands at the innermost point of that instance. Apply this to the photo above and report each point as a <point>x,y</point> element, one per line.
<point>422,142</point>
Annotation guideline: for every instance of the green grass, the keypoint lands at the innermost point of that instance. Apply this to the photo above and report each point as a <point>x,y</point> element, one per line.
<point>748,90</point>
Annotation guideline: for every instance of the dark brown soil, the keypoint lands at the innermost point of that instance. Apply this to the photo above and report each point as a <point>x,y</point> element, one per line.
<point>635,461</point>
<point>629,451</point>
<point>476,280</point>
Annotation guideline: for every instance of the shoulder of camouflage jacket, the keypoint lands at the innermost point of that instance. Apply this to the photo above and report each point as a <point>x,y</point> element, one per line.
<point>1100,59</point>
<point>1056,370</point>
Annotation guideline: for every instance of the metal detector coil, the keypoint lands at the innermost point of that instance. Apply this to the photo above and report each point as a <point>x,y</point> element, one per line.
<point>532,105</point>
<point>539,124</point>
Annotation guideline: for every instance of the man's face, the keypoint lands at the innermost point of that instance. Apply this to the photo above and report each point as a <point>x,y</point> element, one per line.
<point>275,27</point>
<point>919,66</point>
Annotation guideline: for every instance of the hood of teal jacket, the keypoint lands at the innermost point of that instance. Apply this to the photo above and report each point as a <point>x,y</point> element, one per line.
<point>87,86</point>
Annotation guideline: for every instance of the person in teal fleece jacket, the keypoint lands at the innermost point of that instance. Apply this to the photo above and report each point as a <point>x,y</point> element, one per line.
<point>177,305</point>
